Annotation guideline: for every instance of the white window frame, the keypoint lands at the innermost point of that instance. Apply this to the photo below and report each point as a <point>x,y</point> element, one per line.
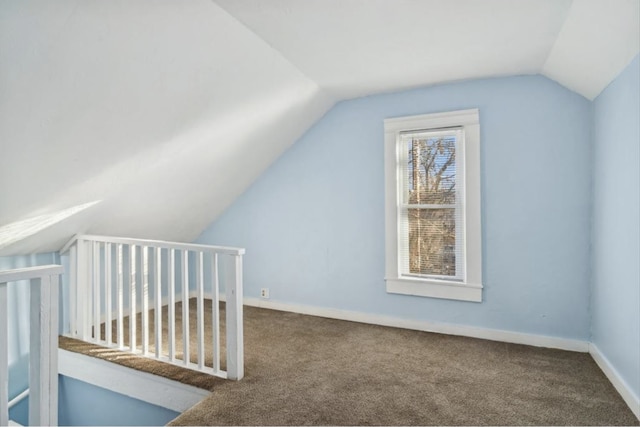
<point>469,288</point>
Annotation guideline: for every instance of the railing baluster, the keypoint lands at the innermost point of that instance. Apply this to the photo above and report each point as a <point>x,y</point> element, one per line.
<point>107,293</point>
<point>145,300</point>
<point>4,356</point>
<point>96,291</point>
<point>215,312</point>
<point>132,298</point>
<point>200,306</point>
<point>87,299</point>
<point>84,289</point>
<point>73,291</point>
<point>88,315</point>
<point>171,276</point>
<point>120,296</point>
<point>185,307</point>
<point>141,271</point>
<point>158,303</point>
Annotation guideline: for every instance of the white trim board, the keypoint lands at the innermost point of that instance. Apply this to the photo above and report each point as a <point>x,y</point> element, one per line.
<point>130,382</point>
<point>467,206</point>
<point>630,398</point>
<point>420,325</point>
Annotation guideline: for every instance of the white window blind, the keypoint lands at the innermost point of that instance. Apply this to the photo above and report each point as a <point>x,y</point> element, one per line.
<point>433,228</point>
<point>431,205</point>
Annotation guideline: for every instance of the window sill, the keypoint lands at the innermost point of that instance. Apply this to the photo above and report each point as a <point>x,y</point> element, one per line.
<point>435,289</point>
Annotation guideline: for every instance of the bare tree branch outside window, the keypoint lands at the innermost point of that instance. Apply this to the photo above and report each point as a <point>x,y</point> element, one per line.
<point>432,179</point>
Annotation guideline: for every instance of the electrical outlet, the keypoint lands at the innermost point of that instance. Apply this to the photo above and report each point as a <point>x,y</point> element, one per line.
<point>264,292</point>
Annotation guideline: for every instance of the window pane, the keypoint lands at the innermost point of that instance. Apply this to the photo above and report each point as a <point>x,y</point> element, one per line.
<point>432,241</point>
<point>431,169</point>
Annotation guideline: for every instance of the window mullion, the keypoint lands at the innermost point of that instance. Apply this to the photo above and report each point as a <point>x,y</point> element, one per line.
<point>419,206</point>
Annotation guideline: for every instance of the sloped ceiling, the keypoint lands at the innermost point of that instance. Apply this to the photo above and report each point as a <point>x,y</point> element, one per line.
<point>147,118</point>
<point>359,47</point>
<point>597,41</point>
<point>160,112</point>
<point>355,47</point>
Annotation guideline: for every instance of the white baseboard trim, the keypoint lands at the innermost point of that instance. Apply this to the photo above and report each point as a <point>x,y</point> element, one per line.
<point>418,325</point>
<point>206,294</point>
<point>426,326</point>
<point>130,382</point>
<point>630,398</point>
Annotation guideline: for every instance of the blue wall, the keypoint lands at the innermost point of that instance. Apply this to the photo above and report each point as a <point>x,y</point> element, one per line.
<point>313,223</point>
<point>616,225</point>
<point>82,404</point>
<point>85,404</point>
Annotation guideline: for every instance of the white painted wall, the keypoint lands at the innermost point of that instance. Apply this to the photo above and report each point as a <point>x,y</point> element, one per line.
<point>142,106</point>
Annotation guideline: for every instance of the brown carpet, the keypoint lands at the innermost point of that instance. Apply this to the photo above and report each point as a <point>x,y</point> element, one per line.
<point>177,373</point>
<point>306,370</point>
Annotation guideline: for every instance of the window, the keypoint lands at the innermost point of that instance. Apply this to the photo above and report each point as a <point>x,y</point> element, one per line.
<point>433,236</point>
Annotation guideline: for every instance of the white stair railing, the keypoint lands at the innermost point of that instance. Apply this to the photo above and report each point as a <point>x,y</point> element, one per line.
<point>114,281</point>
<point>43,350</point>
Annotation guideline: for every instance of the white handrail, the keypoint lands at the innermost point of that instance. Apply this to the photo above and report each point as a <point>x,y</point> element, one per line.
<point>228,250</point>
<point>43,354</point>
<point>29,273</point>
<point>114,279</point>
<point>19,398</point>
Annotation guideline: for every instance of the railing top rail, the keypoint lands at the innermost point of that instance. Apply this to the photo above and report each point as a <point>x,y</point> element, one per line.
<point>155,244</point>
<point>30,273</point>
<point>70,243</point>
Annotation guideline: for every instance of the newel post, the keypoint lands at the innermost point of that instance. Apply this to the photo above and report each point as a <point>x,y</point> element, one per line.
<point>43,351</point>
<point>234,316</point>
<point>81,288</point>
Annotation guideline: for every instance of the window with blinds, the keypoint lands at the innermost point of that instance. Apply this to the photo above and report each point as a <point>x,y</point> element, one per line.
<point>433,236</point>
<point>430,209</point>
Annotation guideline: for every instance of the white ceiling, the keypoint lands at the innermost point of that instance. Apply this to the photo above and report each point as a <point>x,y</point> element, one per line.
<point>147,118</point>
<point>598,40</point>
<point>359,47</point>
<point>160,111</point>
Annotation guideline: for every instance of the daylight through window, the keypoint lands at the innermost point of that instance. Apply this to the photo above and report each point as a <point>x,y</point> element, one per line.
<point>431,208</point>
<point>433,228</point>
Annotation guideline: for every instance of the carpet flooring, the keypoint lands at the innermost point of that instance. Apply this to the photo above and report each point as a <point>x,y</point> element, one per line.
<point>306,370</point>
